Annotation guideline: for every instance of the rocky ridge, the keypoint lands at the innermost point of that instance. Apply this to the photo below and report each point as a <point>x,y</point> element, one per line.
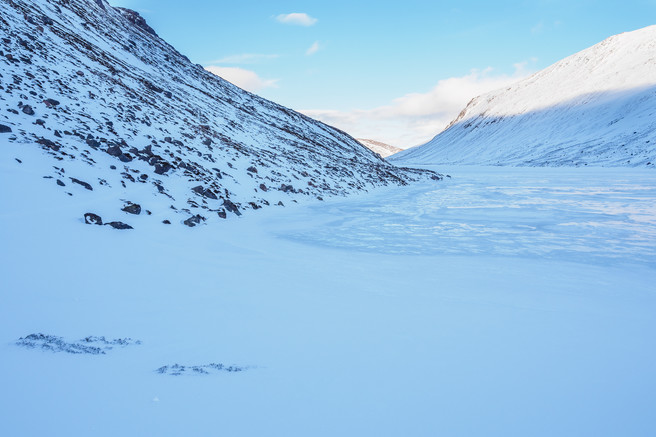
<point>118,112</point>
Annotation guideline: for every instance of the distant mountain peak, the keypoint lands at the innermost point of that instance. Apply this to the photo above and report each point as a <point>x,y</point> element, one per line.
<point>136,19</point>
<point>384,150</point>
<point>592,108</point>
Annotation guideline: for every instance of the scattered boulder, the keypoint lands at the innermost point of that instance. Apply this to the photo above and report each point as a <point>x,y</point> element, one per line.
<point>119,225</point>
<point>168,94</point>
<point>114,150</point>
<point>93,143</point>
<point>194,220</point>
<point>228,205</point>
<point>84,184</point>
<point>132,208</point>
<point>60,183</point>
<point>27,109</point>
<point>4,129</point>
<point>125,157</point>
<point>163,167</point>
<point>92,219</point>
<point>263,187</point>
<point>286,188</point>
<point>204,192</point>
<point>166,222</point>
<point>251,169</point>
<point>51,102</point>
<point>48,143</point>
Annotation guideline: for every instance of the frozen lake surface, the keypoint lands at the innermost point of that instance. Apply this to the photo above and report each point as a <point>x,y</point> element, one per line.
<point>581,214</point>
<point>500,302</point>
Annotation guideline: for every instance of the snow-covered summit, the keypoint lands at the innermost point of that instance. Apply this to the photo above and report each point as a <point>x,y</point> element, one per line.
<point>595,107</point>
<point>94,101</point>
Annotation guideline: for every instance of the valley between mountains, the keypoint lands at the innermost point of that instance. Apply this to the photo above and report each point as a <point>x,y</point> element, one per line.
<point>182,257</point>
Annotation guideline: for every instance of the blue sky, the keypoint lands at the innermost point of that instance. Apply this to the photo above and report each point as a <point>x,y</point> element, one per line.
<point>392,71</point>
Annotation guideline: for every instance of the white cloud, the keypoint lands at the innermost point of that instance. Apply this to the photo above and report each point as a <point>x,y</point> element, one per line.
<point>245,58</point>
<point>297,18</point>
<point>246,79</point>
<point>415,118</point>
<point>313,48</point>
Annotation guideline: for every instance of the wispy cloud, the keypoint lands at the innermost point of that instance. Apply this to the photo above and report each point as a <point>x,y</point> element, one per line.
<point>542,27</point>
<point>313,48</point>
<point>246,79</point>
<point>297,18</point>
<point>245,58</point>
<point>417,117</point>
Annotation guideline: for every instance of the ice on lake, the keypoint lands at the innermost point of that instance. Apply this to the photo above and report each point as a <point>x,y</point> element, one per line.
<point>583,214</point>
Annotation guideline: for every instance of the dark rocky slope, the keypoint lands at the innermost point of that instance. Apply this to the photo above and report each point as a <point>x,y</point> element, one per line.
<point>118,111</point>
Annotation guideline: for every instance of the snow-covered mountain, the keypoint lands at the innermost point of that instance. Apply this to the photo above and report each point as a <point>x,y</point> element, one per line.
<point>596,107</point>
<point>93,100</point>
<point>384,150</point>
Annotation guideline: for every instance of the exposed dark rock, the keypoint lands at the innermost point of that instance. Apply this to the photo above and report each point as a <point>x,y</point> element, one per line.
<point>286,188</point>
<point>194,220</point>
<point>60,183</point>
<point>48,143</point>
<point>136,19</point>
<point>227,204</point>
<point>114,150</point>
<point>251,169</point>
<point>166,222</point>
<point>93,143</point>
<point>222,214</point>
<point>84,184</point>
<point>263,187</point>
<point>204,192</point>
<point>132,208</point>
<point>125,157</point>
<point>4,129</point>
<point>168,94</point>
<point>119,225</point>
<point>51,102</point>
<point>162,168</point>
<point>92,219</point>
<point>207,142</point>
<point>27,109</point>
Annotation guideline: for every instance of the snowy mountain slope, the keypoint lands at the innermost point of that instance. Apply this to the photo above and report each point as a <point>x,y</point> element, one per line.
<point>596,107</point>
<point>384,150</point>
<point>120,117</point>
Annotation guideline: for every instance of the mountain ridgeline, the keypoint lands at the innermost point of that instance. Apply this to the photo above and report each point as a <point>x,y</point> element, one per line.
<point>116,112</point>
<point>596,107</point>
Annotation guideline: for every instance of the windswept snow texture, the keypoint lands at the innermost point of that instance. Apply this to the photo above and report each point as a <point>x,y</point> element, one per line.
<point>597,107</point>
<point>501,302</point>
<point>384,150</point>
<point>127,116</point>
